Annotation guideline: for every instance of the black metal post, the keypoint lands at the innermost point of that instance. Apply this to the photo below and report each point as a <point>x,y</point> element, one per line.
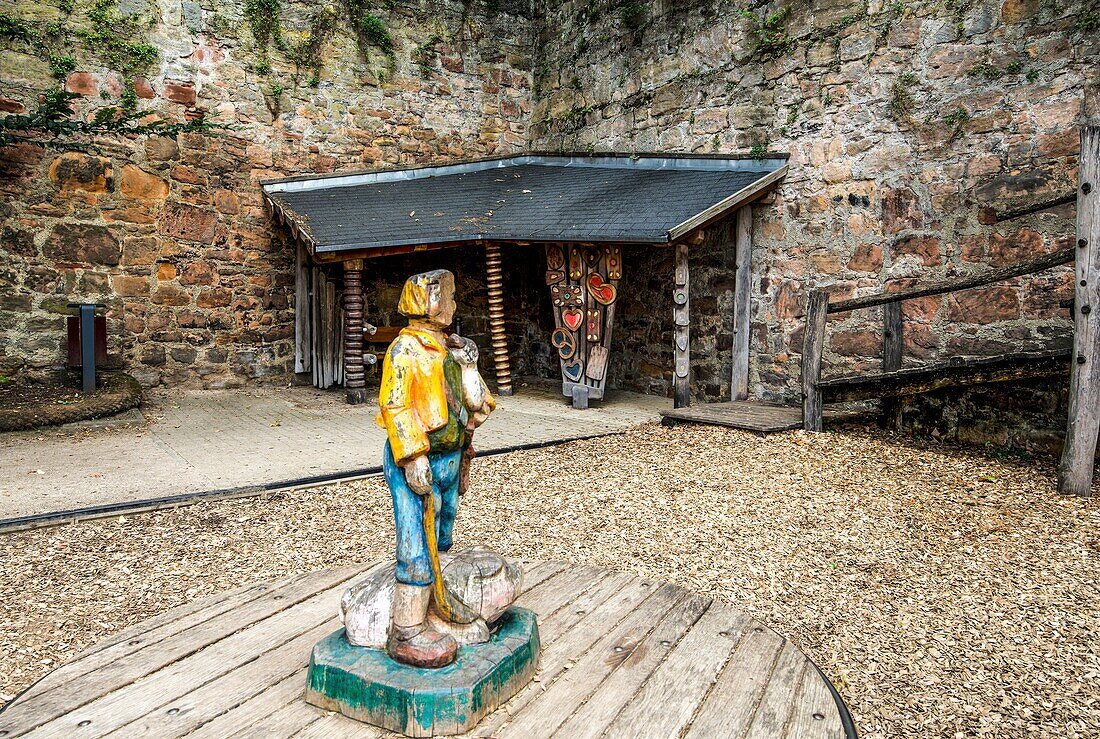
<point>87,346</point>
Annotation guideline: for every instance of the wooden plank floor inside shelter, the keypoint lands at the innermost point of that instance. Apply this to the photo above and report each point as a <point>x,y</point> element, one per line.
<point>750,415</point>
<point>622,656</point>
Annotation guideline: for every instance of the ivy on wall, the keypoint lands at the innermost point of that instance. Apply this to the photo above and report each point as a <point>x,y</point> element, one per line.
<point>95,30</point>
<point>358,17</point>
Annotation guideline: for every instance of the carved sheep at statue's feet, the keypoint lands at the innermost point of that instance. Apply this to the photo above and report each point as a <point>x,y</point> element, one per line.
<point>484,581</point>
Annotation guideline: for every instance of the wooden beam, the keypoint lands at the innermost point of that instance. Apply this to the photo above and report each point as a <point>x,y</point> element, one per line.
<point>354,373</point>
<point>681,330</point>
<point>939,287</point>
<point>813,346</point>
<point>742,292</point>
<point>495,282</point>
<point>891,358</point>
<point>989,216</point>
<point>1079,454</point>
<point>953,373</point>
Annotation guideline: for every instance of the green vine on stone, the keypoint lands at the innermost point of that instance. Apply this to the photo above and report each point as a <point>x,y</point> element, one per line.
<point>117,41</point>
<point>901,96</point>
<point>54,125</point>
<point>772,39</point>
<point>425,54</point>
<point>263,21</point>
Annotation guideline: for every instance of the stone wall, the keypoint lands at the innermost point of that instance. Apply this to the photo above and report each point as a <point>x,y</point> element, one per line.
<point>172,235</point>
<point>902,121</point>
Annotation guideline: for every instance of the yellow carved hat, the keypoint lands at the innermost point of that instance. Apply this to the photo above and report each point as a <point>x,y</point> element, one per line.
<point>416,297</point>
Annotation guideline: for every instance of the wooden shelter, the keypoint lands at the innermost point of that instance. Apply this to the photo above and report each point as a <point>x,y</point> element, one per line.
<point>583,210</point>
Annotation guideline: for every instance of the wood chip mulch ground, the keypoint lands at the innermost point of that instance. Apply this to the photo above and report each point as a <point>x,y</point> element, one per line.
<point>945,592</point>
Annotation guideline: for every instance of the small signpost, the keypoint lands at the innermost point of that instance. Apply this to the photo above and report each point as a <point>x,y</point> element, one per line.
<point>87,342</point>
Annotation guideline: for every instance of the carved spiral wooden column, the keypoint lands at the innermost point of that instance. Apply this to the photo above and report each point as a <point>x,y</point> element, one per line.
<point>495,281</point>
<point>355,378</point>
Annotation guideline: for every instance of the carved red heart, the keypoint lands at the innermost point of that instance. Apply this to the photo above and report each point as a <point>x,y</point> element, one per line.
<point>572,317</point>
<point>604,293</point>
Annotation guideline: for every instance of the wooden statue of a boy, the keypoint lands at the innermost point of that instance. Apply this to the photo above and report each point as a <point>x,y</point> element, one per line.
<point>431,606</point>
<point>431,400</point>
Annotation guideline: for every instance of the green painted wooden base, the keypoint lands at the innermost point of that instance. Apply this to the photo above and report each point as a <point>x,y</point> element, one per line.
<point>367,685</point>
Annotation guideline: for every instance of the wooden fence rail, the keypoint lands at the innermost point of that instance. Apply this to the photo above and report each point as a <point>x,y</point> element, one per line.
<point>1076,468</point>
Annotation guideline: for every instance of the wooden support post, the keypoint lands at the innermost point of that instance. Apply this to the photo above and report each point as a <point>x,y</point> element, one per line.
<point>891,359</point>
<point>494,280</point>
<point>1079,454</point>
<point>739,381</point>
<point>813,347</point>
<point>355,382</point>
<point>303,302</point>
<point>681,332</point>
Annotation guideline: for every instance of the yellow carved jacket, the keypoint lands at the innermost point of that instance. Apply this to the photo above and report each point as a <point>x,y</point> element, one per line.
<point>413,398</point>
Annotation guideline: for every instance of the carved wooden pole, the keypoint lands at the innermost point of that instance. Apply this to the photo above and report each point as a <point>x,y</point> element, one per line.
<point>681,332</point>
<point>1079,454</point>
<point>813,346</point>
<point>494,280</point>
<point>739,381</point>
<point>355,382</point>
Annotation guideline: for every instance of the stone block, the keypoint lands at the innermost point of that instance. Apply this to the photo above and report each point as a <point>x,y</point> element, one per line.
<point>180,92</point>
<point>130,286</point>
<point>924,248</point>
<point>161,148</point>
<point>137,183</point>
<point>190,222</point>
<point>365,684</point>
<point>74,170</point>
<point>81,242</point>
<point>984,306</point>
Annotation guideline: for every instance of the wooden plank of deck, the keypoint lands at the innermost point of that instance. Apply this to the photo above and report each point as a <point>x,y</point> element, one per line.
<point>125,704</point>
<point>554,705</point>
<point>152,660</point>
<point>778,699</point>
<point>622,656</point>
<point>591,719</point>
<point>751,415</point>
<point>814,712</point>
<point>667,701</point>
<point>733,701</point>
<point>156,630</point>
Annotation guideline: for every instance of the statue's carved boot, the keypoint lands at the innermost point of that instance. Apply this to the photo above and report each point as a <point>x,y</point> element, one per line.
<point>412,640</point>
<point>421,646</point>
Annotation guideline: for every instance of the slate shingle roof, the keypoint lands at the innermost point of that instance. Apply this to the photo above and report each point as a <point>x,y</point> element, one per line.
<point>525,198</point>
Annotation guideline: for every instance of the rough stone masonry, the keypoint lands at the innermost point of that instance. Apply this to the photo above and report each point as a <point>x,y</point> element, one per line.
<point>172,235</point>
<point>907,124</point>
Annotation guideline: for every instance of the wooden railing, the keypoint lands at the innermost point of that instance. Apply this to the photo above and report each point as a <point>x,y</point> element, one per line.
<point>922,379</point>
<point>1076,467</point>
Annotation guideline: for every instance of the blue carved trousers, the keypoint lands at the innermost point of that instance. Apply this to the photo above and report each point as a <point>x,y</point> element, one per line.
<point>414,566</point>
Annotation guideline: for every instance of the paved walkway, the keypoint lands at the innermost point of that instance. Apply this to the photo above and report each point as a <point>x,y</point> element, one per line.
<point>210,440</point>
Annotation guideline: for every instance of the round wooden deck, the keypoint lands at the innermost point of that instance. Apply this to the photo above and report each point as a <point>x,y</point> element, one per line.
<point>622,657</point>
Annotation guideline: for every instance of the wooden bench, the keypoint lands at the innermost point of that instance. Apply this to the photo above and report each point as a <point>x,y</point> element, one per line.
<point>376,339</point>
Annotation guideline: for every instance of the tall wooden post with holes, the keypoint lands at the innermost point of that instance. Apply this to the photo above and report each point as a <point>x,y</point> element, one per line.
<point>817,310</point>
<point>1079,454</point>
<point>355,377</point>
<point>495,281</point>
<point>742,290</point>
<point>681,330</point>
